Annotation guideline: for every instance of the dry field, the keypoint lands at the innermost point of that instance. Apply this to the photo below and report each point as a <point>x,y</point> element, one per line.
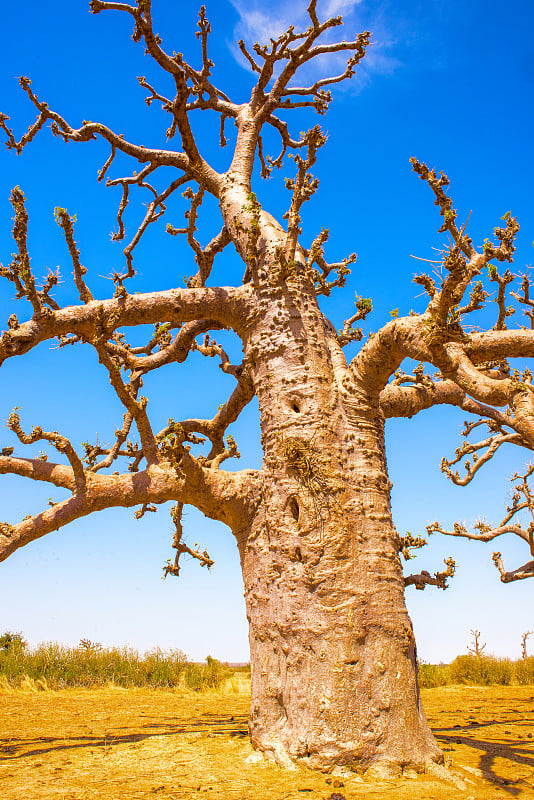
<point>136,743</point>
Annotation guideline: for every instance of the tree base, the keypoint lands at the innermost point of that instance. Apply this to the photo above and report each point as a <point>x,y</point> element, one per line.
<point>382,770</point>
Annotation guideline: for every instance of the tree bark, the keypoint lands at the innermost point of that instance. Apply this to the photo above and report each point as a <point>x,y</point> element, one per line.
<point>334,667</point>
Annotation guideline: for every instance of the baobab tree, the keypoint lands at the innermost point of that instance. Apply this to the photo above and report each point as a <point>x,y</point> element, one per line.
<point>477,648</point>
<point>333,657</point>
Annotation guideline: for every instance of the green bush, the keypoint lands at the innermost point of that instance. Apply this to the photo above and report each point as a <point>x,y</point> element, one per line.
<point>482,670</point>
<point>211,674</point>
<point>12,641</point>
<point>432,675</point>
<point>524,671</point>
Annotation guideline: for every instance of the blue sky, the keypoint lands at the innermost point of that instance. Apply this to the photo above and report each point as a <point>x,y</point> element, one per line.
<point>449,83</point>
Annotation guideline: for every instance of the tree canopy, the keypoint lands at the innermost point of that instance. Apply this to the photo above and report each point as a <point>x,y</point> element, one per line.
<point>457,253</point>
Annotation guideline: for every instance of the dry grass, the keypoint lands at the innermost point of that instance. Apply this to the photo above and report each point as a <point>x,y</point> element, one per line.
<point>111,743</point>
<point>59,667</point>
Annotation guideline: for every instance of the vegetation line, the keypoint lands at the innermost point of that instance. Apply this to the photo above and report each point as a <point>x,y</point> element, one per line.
<point>56,666</point>
<point>478,670</point>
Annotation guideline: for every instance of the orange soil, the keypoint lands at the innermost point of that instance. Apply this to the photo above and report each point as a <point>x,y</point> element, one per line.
<point>112,743</point>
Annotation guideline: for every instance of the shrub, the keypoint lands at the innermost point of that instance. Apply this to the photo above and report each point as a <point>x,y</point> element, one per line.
<point>524,670</point>
<point>432,675</point>
<point>12,641</point>
<point>211,674</point>
<point>481,670</point>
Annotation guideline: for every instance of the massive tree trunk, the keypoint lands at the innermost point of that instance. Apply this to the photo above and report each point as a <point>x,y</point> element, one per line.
<point>332,648</point>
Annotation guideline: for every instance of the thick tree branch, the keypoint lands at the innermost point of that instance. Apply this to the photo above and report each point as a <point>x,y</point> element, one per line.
<point>406,401</point>
<point>224,496</point>
<point>225,305</point>
<point>519,574</point>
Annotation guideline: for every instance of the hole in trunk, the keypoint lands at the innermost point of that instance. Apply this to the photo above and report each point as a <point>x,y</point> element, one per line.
<point>294,403</point>
<point>294,509</point>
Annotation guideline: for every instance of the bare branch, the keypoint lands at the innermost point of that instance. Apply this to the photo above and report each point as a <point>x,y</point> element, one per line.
<point>439,579</point>
<point>250,59</point>
<point>215,428</point>
<point>348,333</point>
<point>486,532</point>
<point>61,443</point>
<point>65,221</point>
<point>287,141</point>
<point>303,186</point>
<point>204,257</point>
<point>210,348</point>
<point>166,104</point>
<point>502,281</point>
<point>525,299</point>
<point>181,547</point>
<point>151,215</point>
<point>444,203</point>
<point>426,282</point>
<point>114,452</point>
<point>408,543</point>
<point>128,396</point>
<point>522,500</point>
<point>491,444</point>
<point>463,262</point>
<point>19,271</point>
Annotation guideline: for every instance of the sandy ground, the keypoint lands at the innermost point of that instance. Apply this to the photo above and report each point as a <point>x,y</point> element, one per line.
<point>114,743</point>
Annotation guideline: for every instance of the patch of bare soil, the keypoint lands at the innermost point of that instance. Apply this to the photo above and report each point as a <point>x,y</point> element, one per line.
<point>113,743</point>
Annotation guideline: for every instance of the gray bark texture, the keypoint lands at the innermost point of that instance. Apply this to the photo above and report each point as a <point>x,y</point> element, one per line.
<point>334,667</point>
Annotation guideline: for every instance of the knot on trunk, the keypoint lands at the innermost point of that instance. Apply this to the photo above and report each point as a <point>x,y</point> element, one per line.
<point>302,459</point>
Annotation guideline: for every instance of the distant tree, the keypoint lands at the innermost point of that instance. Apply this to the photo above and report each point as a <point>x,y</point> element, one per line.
<point>12,641</point>
<point>524,638</point>
<point>89,646</point>
<point>333,657</point>
<point>476,649</point>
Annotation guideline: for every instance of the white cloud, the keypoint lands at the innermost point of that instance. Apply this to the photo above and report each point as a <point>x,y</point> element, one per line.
<point>340,7</point>
<point>258,25</point>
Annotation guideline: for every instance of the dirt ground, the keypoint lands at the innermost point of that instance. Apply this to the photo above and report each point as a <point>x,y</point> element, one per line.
<point>114,743</point>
